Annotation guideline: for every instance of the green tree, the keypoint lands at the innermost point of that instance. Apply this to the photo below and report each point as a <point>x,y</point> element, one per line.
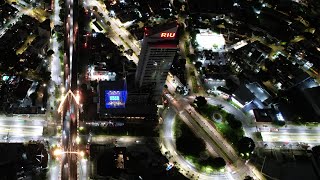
<point>188,143</point>
<point>248,178</point>
<point>246,145</point>
<point>220,107</point>
<point>200,101</point>
<point>216,163</point>
<point>316,150</point>
<point>198,64</point>
<point>50,52</point>
<point>233,122</point>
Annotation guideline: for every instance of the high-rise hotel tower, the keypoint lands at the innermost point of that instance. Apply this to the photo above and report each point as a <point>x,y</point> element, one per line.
<point>159,48</point>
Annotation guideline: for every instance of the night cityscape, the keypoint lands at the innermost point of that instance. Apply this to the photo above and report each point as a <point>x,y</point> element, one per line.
<point>159,89</point>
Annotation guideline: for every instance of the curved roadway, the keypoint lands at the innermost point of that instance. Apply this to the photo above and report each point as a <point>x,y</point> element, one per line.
<point>169,143</point>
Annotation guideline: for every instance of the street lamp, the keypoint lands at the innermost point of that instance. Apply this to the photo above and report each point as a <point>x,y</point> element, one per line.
<point>62,89</point>
<point>58,152</point>
<point>78,140</point>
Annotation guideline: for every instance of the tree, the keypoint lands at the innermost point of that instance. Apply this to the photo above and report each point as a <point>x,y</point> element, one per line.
<point>188,143</point>
<point>60,36</point>
<point>220,107</point>
<point>219,162</point>
<point>200,101</point>
<point>248,178</point>
<point>121,47</point>
<point>192,57</point>
<point>316,150</point>
<point>45,75</point>
<point>130,52</point>
<point>50,52</point>
<point>234,123</point>
<point>216,163</point>
<point>198,64</point>
<point>246,145</point>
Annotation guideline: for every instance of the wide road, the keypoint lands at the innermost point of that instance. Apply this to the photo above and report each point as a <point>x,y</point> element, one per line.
<point>119,35</point>
<point>11,22</point>
<point>21,126</point>
<point>69,169</point>
<point>291,137</point>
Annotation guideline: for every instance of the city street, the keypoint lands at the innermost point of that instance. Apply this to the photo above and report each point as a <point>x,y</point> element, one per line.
<point>21,126</point>
<point>119,35</point>
<point>12,21</point>
<point>199,124</point>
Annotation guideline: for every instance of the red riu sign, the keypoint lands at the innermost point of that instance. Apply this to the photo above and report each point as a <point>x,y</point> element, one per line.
<point>167,35</point>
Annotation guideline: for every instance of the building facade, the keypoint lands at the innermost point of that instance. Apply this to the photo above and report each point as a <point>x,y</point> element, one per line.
<point>159,48</point>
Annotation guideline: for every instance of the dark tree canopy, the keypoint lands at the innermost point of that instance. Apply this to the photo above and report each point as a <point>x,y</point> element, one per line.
<point>216,163</point>
<point>316,150</point>
<point>198,64</point>
<point>188,143</point>
<point>246,145</point>
<point>200,101</point>
<point>233,122</point>
<point>50,52</point>
<point>248,178</point>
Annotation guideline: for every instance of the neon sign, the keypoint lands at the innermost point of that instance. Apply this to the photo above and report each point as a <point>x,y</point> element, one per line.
<point>167,35</point>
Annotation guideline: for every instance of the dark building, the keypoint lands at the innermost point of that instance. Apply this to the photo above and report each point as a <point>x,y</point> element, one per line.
<point>301,105</point>
<point>212,6</point>
<point>18,160</point>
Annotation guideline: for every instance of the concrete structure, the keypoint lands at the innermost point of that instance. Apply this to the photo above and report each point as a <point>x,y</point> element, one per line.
<point>159,48</point>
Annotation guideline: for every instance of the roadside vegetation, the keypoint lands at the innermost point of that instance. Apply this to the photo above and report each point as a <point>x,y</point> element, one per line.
<point>228,126</point>
<point>194,150</point>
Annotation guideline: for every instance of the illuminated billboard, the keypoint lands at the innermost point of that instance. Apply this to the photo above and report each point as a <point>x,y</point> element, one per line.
<point>115,99</point>
<point>168,35</point>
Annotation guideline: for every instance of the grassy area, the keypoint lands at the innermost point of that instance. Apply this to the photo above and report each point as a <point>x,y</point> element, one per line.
<point>258,135</point>
<point>194,84</point>
<point>25,44</point>
<point>208,111</point>
<point>235,105</point>
<point>186,47</point>
<point>232,135</point>
<point>177,127</point>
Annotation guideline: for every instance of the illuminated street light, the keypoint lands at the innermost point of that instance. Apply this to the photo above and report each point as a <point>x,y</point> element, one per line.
<point>81,153</point>
<point>63,98</point>
<point>78,139</point>
<point>62,89</point>
<point>57,152</point>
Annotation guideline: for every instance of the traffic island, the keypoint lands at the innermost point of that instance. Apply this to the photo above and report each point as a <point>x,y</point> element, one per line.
<point>194,150</point>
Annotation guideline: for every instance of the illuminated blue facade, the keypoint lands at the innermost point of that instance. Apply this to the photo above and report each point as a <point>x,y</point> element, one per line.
<point>115,99</point>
